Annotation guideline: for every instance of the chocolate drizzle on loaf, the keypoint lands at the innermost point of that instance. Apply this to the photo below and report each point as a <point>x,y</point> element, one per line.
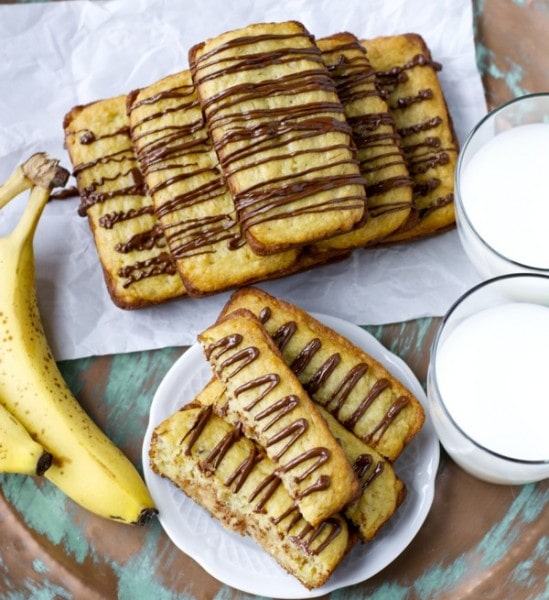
<point>396,75</point>
<point>268,417</point>
<point>161,264</point>
<point>423,153</point>
<point>364,472</point>
<point>374,134</point>
<point>109,220</point>
<point>306,539</point>
<point>248,131</point>
<point>312,540</point>
<point>127,181</point>
<point>418,154</point>
<point>337,402</point>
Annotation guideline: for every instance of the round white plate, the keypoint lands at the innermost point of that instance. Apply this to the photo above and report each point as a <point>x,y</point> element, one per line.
<point>238,561</point>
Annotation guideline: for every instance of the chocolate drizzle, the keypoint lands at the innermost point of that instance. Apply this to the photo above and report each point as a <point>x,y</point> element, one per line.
<point>311,540</point>
<point>145,240</point>
<point>283,334</point>
<point>243,133</point>
<point>331,528</point>
<point>373,393</point>
<point>397,74</point>
<point>322,374</point>
<point>241,359</point>
<point>109,220</point>
<point>406,101</point>
<point>273,417</point>
<point>419,127</point>
<point>338,402</point>
<point>198,427</point>
<point>374,135</point>
<point>364,472</point>
<point>161,264</point>
<point>375,435</point>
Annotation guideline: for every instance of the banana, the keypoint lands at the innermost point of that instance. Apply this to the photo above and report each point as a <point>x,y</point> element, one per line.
<point>86,466</point>
<point>19,453</point>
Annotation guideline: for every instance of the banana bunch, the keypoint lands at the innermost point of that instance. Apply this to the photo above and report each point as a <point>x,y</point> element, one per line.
<point>39,413</point>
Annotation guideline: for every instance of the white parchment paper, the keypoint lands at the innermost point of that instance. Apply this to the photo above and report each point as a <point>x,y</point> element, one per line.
<point>57,55</point>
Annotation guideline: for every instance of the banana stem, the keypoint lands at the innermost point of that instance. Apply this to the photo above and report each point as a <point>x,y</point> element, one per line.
<point>38,170</point>
<point>45,171</point>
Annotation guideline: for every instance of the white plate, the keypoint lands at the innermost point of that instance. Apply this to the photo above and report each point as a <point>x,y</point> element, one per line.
<point>238,561</point>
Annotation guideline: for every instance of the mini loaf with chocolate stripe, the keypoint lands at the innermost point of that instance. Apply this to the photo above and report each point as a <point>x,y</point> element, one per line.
<point>214,464</point>
<point>407,75</point>
<point>379,152</point>
<point>138,267</point>
<point>351,385</point>
<point>193,203</point>
<point>280,133</point>
<point>276,412</point>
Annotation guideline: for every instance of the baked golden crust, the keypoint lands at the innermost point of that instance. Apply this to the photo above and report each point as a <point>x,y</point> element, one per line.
<point>379,154</point>
<point>138,268</point>
<point>382,491</point>
<point>276,412</point>
<point>215,465</point>
<point>408,76</point>
<point>192,200</point>
<point>257,161</point>
<point>280,134</point>
<point>356,389</point>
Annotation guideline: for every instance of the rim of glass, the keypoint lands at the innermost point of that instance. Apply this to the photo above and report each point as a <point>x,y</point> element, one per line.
<point>470,136</point>
<point>433,355</point>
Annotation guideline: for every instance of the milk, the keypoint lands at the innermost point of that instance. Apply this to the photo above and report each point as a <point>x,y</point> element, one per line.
<point>491,374</point>
<point>504,191</point>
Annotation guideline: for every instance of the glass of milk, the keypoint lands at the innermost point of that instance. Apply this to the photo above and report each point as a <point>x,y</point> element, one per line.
<point>502,189</point>
<point>487,385</point>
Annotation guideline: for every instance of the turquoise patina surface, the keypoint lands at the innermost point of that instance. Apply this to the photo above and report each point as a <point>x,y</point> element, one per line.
<point>512,536</point>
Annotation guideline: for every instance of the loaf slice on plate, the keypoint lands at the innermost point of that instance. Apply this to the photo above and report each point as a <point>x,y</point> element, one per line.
<point>223,471</point>
<point>276,412</point>
<point>350,384</point>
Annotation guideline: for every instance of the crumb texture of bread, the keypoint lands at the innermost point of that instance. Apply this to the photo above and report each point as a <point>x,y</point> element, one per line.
<point>215,465</point>
<point>137,265</point>
<point>276,412</point>
<point>382,492</point>
<point>280,133</point>
<point>350,384</point>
